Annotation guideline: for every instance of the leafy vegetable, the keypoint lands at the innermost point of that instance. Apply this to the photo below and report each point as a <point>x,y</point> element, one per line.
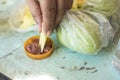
<point>83,31</point>
<point>106,7</point>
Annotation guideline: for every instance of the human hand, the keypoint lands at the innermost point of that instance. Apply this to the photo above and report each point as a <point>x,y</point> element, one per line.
<point>48,13</point>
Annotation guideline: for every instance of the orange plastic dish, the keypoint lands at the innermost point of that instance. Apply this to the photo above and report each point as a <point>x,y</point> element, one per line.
<point>40,56</point>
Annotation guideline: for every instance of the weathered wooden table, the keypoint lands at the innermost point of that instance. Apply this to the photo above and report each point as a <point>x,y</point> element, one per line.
<point>63,64</point>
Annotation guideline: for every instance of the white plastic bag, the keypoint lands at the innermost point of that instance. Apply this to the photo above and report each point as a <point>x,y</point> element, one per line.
<point>105,7</point>
<point>84,31</point>
<point>116,58</point>
<point>21,19</point>
<point>6,7</point>
<point>115,20</point>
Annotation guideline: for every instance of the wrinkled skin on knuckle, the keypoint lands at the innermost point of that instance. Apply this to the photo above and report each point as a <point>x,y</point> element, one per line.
<point>50,13</point>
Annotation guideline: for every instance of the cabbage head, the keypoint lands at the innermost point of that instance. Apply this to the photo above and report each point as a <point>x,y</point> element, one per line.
<point>82,33</point>
<point>106,7</point>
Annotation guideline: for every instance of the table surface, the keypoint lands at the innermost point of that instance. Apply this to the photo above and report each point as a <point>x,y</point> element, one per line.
<point>63,64</point>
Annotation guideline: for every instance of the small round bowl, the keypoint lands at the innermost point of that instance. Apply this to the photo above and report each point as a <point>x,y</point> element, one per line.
<point>38,56</point>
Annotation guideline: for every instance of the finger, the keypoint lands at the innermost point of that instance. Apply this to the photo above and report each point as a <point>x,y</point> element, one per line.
<point>70,2</point>
<point>48,8</point>
<point>61,8</point>
<point>36,12</point>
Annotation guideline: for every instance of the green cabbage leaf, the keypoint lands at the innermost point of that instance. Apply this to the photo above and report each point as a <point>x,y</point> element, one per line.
<point>84,31</point>
<point>106,7</point>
